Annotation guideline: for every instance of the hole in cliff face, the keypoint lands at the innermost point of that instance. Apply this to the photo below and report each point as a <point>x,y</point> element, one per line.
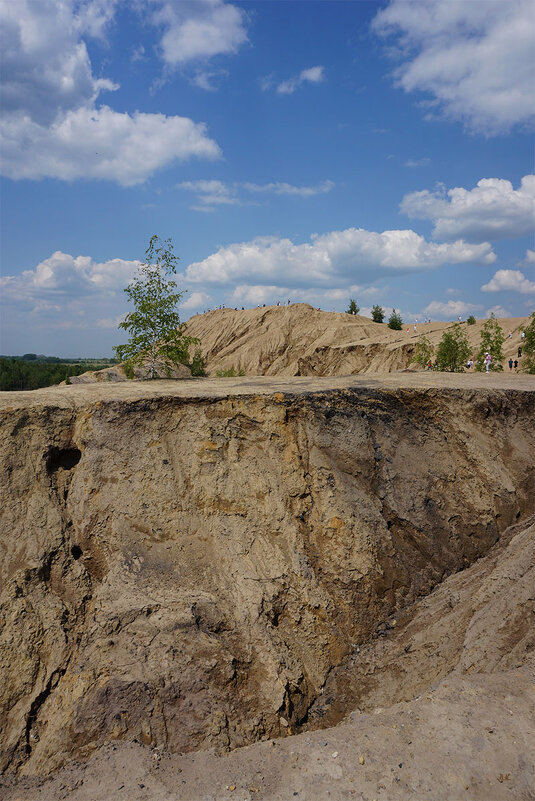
<point>61,458</point>
<point>76,551</point>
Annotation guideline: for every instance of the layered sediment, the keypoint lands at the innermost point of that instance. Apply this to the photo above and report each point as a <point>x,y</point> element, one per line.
<point>188,564</point>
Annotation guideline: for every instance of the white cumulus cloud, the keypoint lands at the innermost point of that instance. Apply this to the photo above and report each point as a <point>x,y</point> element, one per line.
<point>63,277</point>
<point>498,311</point>
<point>333,256</point>
<point>450,310</point>
<point>195,300</point>
<point>509,280</point>
<point>529,258</point>
<point>198,29</point>
<point>491,210</point>
<point>102,144</point>
<point>475,59</point>
<point>52,126</point>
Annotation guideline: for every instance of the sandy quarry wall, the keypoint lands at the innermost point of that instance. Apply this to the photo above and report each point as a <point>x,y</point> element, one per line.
<point>186,572</point>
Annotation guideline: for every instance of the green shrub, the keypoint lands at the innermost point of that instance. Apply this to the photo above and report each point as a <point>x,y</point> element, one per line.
<point>129,369</point>
<point>229,373</point>
<point>378,314</point>
<point>471,320</point>
<point>353,308</point>
<point>492,339</point>
<point>528,347</point>
<point>453,350</point>
<point>423,352</point>
<point>394,321</point>
<point>197,363</point>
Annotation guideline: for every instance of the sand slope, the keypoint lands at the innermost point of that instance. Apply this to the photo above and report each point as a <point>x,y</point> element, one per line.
<point>299,340</point>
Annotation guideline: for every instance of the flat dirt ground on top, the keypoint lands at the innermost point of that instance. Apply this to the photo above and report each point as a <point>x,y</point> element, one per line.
<point>82,394</point>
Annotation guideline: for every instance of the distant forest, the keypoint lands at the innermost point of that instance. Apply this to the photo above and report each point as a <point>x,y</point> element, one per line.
<point>32,371</point>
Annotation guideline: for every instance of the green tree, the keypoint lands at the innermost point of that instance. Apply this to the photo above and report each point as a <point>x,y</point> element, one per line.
<point>423,352</point>
<point>156,333</point>
<point>492,339</point>
<point>528,347</point>
<point>353,308</point>
<point>378,314</point>
<point>197,363</point>
<point>394,321</point>
<point>471,320</point>
<point>453,350</point>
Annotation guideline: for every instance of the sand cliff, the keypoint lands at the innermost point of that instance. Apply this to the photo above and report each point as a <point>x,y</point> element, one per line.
<point>194,565</point>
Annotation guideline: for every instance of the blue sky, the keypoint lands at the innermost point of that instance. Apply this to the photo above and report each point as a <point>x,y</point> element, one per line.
<point>315,150</point>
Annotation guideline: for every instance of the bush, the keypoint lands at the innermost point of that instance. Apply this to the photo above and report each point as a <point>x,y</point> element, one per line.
<point>353,308</point>
<point>128,369</point>
<point>378,314</point>
<point>229,373</point>
<point>528,347</point>
<point>453,350</point>
<point>197,363</point>
<point>492,339</point>
<point>394,321</point>
<point>423,352</point>
<point>471,320</point>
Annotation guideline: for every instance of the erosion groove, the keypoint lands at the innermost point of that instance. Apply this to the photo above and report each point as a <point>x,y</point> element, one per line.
<point>200,572</point>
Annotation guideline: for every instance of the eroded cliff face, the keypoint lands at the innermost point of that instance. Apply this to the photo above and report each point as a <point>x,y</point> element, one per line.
<point>186,572</point>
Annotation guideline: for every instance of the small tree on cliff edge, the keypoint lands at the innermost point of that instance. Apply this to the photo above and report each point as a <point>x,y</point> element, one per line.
<point>353,308</point>
<point>492,339</point>
<point>156,333</point>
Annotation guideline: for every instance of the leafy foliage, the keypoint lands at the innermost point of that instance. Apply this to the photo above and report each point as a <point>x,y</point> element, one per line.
<point>453,350</point>
<point>129,369</point>
<point>423,352</point>
<point>394,321</point>
<point>353,308</point>
<point>492,339</point>
<point>471,320</point>
<point>528,347</point>
<point>156,333</point>
<point>197,363</point>
<point>378,314</point>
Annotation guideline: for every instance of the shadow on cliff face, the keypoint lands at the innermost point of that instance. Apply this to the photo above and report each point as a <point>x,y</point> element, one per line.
<point>189,574</point>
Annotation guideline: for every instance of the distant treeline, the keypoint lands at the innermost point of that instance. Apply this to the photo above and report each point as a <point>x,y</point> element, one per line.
<point>31,371</point>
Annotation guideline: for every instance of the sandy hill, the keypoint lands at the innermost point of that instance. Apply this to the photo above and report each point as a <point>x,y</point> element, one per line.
<point>300,340</point>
